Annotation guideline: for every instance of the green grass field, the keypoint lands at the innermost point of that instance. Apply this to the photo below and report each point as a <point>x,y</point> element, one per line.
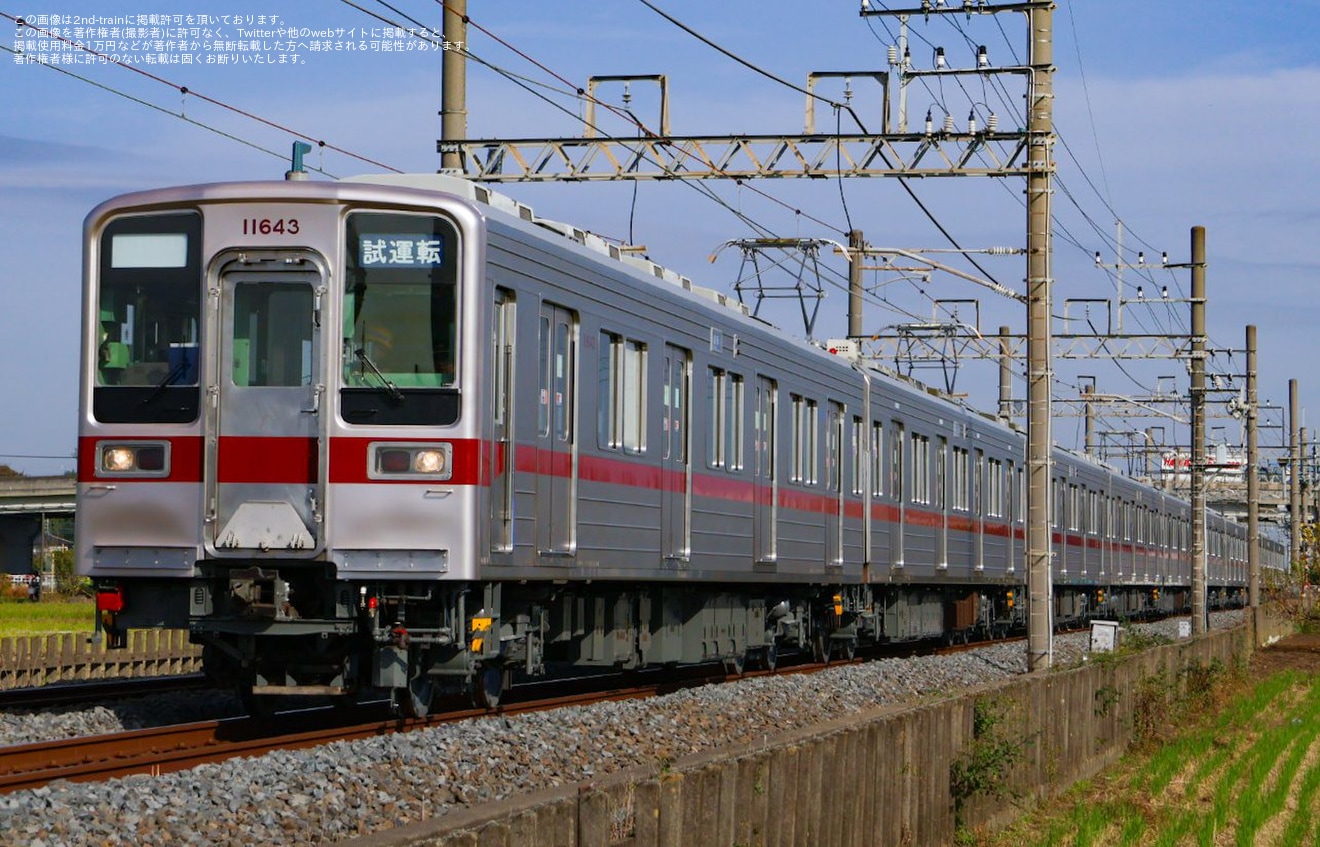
<point>51,615</point>
<point>1246,773</point>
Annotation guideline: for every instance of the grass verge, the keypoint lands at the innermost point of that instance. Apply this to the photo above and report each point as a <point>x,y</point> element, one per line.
<point>1243,770</point>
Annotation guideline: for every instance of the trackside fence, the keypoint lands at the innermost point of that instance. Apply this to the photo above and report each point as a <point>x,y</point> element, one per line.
<point>67,657</point>
<point>876,778</point>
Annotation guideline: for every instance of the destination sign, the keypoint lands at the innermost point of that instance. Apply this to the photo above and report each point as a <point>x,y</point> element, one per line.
<point>405,250</point>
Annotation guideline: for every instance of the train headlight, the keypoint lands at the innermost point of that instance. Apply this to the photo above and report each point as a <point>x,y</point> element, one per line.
<point>133,458</point>
<point>117,460</point>
<point>393,460</point>
<point>429,461</point>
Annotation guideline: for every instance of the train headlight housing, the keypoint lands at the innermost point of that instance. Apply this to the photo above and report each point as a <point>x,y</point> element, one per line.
<point>133,458</point>
<point>393,460</point>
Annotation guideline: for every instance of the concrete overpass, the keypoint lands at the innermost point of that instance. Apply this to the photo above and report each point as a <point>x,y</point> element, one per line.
<point>25,504</point>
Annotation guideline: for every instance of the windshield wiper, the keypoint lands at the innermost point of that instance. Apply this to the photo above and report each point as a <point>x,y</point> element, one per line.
<point>177,371</point>
<point>390,388</point>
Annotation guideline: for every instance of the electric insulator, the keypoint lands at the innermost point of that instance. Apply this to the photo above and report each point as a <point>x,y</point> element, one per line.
<point>971,122</point>
<point>948,122</point>
<point>893,54</point>
<point>930,125</point>
<point>939,58</point>
<point>982,57</point>
<point>992,123</point>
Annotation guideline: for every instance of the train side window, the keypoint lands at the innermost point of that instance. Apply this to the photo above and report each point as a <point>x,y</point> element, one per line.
<point>621,394</point>
<point>877,459</point>
<point>858,456</point>
<point>978,484</point>
<point>896,446</point>
<point>633,396</point>
<point>805,429</point>
<point>995,489</point>
<point>811,447</point>
<point>718,414</point>
<point>942,474</point>
<point>1020,496</point>
<point>733,422</point>
<point>961,461</point>
<point>834,449</point>
<point>920,468</point>
<point>606,366</point>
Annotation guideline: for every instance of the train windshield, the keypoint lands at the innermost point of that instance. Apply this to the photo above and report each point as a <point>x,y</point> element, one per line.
<point>149,317</point>
<point>400,302</point>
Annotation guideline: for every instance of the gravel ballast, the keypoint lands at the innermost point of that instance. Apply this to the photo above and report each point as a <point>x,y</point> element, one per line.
<point>348,788</point>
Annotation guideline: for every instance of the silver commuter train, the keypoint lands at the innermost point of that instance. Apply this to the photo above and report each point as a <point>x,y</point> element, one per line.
<point>399,433</point>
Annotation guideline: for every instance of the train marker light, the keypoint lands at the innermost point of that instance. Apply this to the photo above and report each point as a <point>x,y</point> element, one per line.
<point>394,461</point>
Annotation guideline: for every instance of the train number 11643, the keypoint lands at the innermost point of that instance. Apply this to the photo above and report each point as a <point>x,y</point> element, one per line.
<point>270,226</point>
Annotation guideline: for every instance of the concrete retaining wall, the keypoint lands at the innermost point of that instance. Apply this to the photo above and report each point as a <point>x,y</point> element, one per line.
<point>39,660</point>
<point>876,778</point>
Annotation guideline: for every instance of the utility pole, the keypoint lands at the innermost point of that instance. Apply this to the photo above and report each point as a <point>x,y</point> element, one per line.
<point>1294,478</point>
<point>1040,165</point>
<point>856,255</point>
<point>1252,470</point>
<point>1200,620</point>
<point>1005,375</point>
<point>453,85</point>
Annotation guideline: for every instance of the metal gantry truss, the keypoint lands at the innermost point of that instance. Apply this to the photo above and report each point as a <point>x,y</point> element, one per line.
<point>1001,154</point>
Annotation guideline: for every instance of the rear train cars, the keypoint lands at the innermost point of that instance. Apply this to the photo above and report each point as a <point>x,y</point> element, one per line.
<point>399,433</point>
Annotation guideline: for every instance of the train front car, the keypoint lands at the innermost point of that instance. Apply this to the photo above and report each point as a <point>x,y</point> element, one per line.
<point>274,449</point>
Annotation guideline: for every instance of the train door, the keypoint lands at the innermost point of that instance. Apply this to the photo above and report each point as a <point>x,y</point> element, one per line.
<point>942,503</point>
<point>556,442</point>
<point>899,488</point>
<point>764,517</point>
<point>266,450</point>
<point>978,510</point>
<point>834,441</point>
<point>676,470</point>
<point>501,443</point>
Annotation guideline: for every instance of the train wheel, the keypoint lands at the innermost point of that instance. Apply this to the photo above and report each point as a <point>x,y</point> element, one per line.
<point>735,665</point>
<point>415,697</point>
<point>770,656</point>
<point>848,649</point>
<point>490,684</point>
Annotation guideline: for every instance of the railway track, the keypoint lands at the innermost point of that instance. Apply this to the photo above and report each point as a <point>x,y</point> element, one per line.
<point>172,748</point>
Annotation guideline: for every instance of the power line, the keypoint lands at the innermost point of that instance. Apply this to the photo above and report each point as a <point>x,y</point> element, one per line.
<point>184,90</point>
<point>199,124</point>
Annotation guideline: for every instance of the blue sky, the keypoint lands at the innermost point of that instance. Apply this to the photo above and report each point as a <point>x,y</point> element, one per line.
<point>1174,114</point>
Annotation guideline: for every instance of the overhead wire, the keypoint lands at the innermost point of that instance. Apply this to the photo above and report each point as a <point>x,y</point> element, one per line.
<point>184,90</point>
<point>193,121</point>
<point>903,182</point>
